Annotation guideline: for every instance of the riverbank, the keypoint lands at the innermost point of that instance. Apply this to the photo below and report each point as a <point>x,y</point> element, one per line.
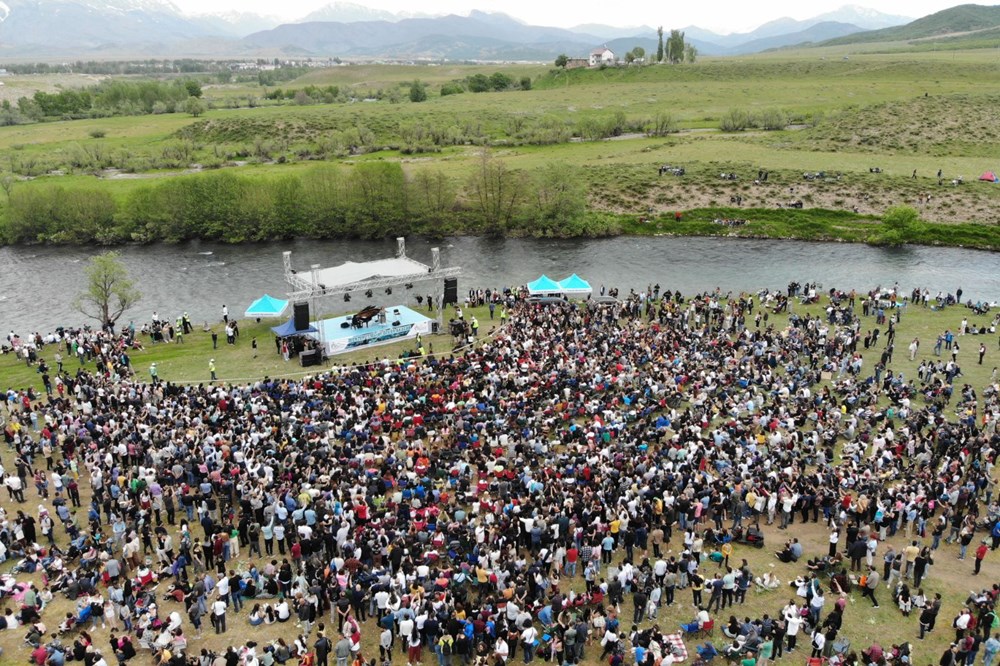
<point>197,277</point>
<point>384,199</point>
<point>816,225</point>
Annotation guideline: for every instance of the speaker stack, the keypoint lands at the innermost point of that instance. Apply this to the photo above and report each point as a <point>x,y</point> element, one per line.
<point>301,316</point>
<point>450,291</point>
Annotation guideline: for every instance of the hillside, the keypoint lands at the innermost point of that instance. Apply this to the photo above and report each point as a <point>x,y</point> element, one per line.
<point>920,126</point>
<point>948,22</point>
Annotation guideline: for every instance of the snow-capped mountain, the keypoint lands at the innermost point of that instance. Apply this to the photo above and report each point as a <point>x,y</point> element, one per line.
<point>787,31</point>
<point>863,17</point>
<point>59,28</point>
<point>88,24</point>
<point>238,24</point>
<point>351,12</point>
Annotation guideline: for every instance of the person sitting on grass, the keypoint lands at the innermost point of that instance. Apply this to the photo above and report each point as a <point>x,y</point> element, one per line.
<point>791,552</point>
<point>706,652</point>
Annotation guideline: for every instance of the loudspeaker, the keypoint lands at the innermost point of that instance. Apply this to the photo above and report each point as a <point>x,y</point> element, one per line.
<point>395,323</point>
<point>434,328</point>
<point>301,316</point>
<point>450,291</point>
<point>308,358</point>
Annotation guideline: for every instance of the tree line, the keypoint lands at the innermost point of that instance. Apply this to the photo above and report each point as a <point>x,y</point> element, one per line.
<point>108,98</point>
<point>369,200</point>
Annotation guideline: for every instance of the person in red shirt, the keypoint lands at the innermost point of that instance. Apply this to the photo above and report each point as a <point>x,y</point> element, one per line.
<point>572,556</point>
<point>980,556</point>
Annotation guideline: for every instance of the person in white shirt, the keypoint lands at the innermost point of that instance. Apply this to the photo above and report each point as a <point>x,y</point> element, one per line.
<point>501,649</point>
<point>528,637</point>
<point>793,623</point>
<point>283,611</point>
<point>219,616</point>
<point>406,629</point>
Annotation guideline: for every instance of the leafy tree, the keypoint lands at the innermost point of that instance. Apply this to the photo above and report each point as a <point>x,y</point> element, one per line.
<point>638,53</point>
<point>659,44</point>
<point>690,53</point>
<point>109,291</point>
<point>559,199</point>
<point>432,198</point>
<point>418,92</point>
<point>193,88</point>
<point>562,60</point>
<point>525,83</point>
<point>496,193</point>
<point>7,181</point>
<point>675,47</point>
<point>194,106</point>
<point>629,58</point>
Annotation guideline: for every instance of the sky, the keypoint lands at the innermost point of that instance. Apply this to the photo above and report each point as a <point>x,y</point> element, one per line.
<point>723,16</point>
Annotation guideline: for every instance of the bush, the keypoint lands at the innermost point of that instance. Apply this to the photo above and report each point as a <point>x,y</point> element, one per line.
<point>418,92</point>
<point>98,133</point>
<point>735,120</point>
<point>773,119</point>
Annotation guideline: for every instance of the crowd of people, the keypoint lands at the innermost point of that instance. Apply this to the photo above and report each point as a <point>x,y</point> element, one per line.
<point>502,504</point>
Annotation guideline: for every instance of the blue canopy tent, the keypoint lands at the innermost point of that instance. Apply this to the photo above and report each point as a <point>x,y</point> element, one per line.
<point>288,329</point>
<point>544,286</point>
<point>266,306</point>
<point>575,285</point>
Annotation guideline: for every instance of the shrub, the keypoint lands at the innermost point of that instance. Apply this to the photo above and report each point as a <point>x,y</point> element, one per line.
<point>735,120</point>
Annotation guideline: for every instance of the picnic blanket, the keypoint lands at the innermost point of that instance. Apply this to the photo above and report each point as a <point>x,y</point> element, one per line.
<point>680,650</point>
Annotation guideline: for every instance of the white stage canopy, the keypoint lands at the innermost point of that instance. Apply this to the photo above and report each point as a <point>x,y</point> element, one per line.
<point>353,272</point>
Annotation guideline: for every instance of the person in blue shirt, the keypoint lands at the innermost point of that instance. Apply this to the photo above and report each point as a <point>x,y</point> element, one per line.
<point>607,546</point>
<point>707,651</point>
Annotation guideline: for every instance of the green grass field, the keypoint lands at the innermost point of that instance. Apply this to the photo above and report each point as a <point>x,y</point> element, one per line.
<point>862,625</point>
<point>902,112</point>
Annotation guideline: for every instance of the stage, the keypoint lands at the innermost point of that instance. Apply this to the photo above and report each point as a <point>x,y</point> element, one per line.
<point>401,323</point>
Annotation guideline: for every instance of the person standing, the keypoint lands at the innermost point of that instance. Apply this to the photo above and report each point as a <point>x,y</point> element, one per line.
<point>153,374</point>
<point>225,313</point>
<point>219,616</point>
<point>982,352</point>
<point>323,647</point>
<point>990,649</point>
<point>211,368</point>
<point>871,584</point>
<point>980,556</point>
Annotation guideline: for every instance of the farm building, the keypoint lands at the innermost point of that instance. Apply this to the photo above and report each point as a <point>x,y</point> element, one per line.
<point>602,56</point>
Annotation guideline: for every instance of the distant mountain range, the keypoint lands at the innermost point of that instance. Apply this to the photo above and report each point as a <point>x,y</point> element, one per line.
<point>847,20</point>
<point>157,28</point>
<point>964,22</point>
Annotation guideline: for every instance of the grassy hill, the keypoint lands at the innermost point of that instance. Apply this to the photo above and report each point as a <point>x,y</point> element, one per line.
<point>956,22</point>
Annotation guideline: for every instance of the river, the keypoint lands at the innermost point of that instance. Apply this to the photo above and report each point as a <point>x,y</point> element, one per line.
<point>39,283</point>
